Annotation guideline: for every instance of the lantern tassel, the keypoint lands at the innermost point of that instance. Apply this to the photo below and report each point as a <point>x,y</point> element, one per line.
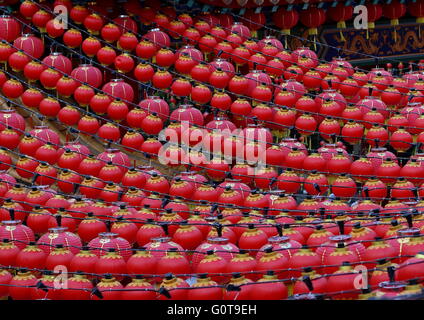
<point>341,25</point>
<point>395,22</point>
<point>419,21</point>
<point>371,25</point>
<point>314,33</point>
<point>342,38</point>
<point>286,33</point>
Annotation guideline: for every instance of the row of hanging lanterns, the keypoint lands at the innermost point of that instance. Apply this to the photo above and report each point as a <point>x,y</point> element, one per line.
<point>252,232</point>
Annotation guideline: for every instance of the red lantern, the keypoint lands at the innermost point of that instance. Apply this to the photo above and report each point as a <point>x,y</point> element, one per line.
<point>12,89</point>
<point>91,46</point>
<point>30,45</point>
<point>344,187</point>
<point>374,189</point>
<point>110,32</point>
<point>66,86</point>
<point>221,246</point>
<point>49,78</point>
<point>139,289</point>
<point>6,51</point>
<point>33,70</point>
<point>15,230</point>
<point>285,19</point>
<point>72,38</point>
<point>8,253</point>
<point>94,23</point>
<point>108,240</point>
<point>377,136</point>
<point>67,180</point>
<point>375,11</point>
<point>162,79</point>
<point>88,125</point>
<point>159,38</point>
<point>40,19</point>
<point>175,287</point>
<point>206,289</point>
<point>47,153</point>
<point>133,140</point>
<point>117,88</point>
<point>242,263</point>
<point>58,61</point>
<point>412,172</point>
<point>32,97</point>
<point>312,18</point>
<point>37,197</point>
<point>47,174</point>
<point>59,235</point>
<point>79,288</point>
<point>411,268</point>
<point>109,131</point>
<point>117,110</point>
<point>59,256</point>
<point>125,23</point>
<point>89,74</point>
<point>241,30</point>
<point>388,172</point>
<point>49,107</point>
<point>394,11</point>
<point>69,115</point>
<point>146,49</point>
<point>90,227</point>
<point>173,262</point>
<point>245,290</point>
<point>401,140</point>
<point>110,288</point>
<point>340,14</point>
<point>28,9</point>
<point>177,28</point>
<point>99,103</point>
<point>111,262</point>
<point>31,257</point>
<point>22,285</point>
<point>10,139</point>
<point>25,166</point>
<point>106,56</point>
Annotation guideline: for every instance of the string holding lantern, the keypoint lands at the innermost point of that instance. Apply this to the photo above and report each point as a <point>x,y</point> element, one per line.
<point>340,14</point>
<point>313,18</point>
<point>394,10</point>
